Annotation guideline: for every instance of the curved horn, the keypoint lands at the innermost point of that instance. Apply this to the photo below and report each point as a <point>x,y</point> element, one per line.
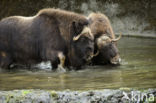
<point>76,37</point>
<point>115,40</point>
<point>85,30</point>
<point>94,55</point>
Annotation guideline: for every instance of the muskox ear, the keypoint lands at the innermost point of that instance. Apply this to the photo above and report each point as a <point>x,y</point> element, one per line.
<point>78,27</point>
<point>74,28</point>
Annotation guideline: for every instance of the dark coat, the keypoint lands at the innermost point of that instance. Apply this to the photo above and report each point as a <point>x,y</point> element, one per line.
<point>28,40</point>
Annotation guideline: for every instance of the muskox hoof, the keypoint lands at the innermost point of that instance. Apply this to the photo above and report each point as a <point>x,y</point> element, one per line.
<point>60,69</point>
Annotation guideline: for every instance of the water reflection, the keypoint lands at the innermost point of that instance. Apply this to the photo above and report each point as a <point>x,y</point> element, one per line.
<point>138,70</point>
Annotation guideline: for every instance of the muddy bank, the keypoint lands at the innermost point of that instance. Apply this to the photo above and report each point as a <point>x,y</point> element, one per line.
<point>123,95</point>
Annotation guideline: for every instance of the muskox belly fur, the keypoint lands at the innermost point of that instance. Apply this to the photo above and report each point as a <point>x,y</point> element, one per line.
<point>29,40</point>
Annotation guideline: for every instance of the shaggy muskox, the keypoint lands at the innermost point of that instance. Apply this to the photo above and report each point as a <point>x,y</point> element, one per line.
<point>50,35</point>
<point>105,41</point>
<point>81,50</point>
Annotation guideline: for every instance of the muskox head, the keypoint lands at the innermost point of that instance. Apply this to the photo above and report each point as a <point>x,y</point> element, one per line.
<point>105,41</point>
<point>82,48</point>
<point>108,51</point>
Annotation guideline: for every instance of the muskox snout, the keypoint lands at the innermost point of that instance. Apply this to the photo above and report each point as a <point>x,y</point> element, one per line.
<point>89,55</point>
<point>115,60</point>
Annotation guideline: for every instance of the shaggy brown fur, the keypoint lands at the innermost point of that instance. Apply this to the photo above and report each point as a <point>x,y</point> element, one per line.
<point>100,24</point>
<point>82,49</point>
<point>39,38</point>
<point>65,20</point>
<point>103,33</point>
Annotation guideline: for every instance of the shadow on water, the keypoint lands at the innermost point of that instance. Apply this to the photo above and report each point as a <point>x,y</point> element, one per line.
<point>137,70</point>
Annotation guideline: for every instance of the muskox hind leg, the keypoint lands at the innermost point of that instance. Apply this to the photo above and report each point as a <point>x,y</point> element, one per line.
<point>5,60</point>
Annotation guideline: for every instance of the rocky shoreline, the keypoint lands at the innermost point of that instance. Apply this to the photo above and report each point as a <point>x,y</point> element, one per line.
<point>122,95</point>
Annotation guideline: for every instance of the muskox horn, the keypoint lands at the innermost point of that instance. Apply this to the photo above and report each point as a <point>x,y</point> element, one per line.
<point>76,37</point>
<point>85,30</point>
<point>94,55</point>
<point>115,40</point>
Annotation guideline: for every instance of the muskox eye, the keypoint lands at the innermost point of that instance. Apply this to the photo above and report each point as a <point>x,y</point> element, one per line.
<point>112,42</point>
<point>82,39</point>
<point>110,45</point>
<point>100,20</point>
<point>89,49</point>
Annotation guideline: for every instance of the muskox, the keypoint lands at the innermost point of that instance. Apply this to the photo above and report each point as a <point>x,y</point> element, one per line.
<point>81,50</point>
<point>105,41</point>
<point>51,35</point>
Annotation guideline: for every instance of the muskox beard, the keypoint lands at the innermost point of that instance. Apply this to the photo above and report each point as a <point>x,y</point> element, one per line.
<point>74,60</point>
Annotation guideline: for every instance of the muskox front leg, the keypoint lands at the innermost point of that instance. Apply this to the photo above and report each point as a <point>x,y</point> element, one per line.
<point>57,59</point>
<point>60,67</point>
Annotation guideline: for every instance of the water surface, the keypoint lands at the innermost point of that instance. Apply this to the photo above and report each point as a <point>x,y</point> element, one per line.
<point>137,70</point>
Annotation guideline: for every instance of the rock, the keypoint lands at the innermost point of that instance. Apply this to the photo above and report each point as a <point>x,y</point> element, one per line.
<point>93,96</point>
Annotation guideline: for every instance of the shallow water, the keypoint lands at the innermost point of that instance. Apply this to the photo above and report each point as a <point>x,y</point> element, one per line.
<point>137,70</point>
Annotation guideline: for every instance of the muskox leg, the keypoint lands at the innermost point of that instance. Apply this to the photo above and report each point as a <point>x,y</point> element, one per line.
<point>5,60</point>
<point>60,67</point>
<point>56,58</point>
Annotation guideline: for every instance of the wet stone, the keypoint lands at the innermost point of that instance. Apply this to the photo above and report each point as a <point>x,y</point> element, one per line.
<point>43,96</point>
